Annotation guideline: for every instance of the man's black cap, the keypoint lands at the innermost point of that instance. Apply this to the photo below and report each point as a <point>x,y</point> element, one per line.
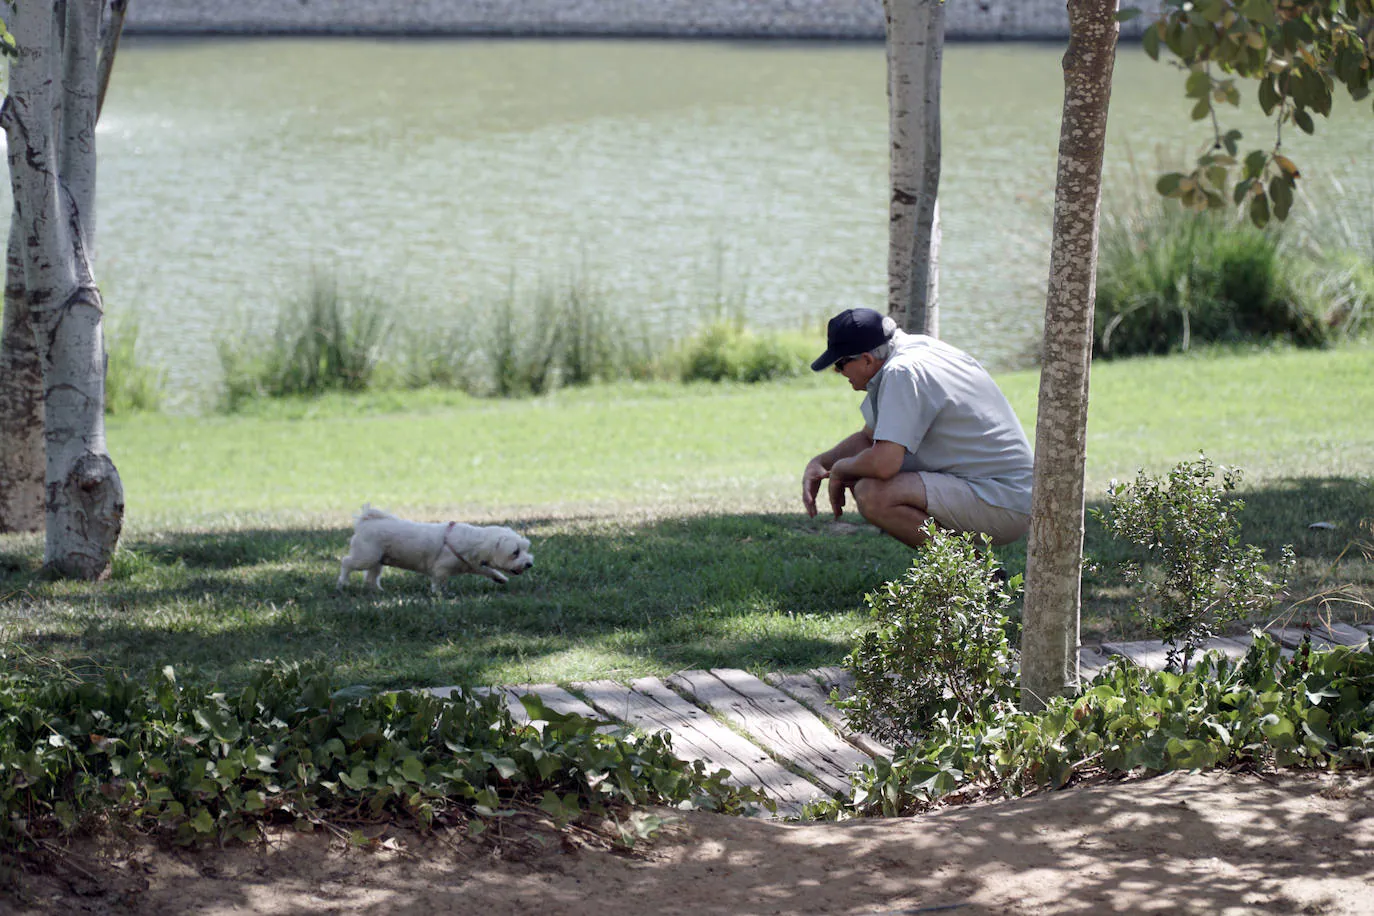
<point>850,333</point>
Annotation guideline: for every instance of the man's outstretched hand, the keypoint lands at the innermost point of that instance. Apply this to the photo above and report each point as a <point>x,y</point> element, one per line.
<point>838,484</point>
<point>811,485</point>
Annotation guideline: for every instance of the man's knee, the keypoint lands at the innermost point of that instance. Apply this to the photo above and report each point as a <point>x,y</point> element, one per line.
<point>868,497</point>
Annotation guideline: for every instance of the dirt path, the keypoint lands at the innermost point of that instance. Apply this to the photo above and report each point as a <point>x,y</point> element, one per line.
<point>1182,843</point>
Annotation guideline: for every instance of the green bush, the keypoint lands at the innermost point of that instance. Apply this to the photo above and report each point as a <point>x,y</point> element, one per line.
<point>1193,575</point>
<point>1169,278</point>
<point>1315,710</point>
<point>727,351</point>
<point>199,764</point>
<point>938,648</point>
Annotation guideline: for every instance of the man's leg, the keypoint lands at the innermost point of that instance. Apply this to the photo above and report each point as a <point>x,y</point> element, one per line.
<point>897,505</point>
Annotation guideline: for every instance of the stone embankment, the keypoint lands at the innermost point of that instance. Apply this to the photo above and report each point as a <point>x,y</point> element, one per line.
<point>833,19</point>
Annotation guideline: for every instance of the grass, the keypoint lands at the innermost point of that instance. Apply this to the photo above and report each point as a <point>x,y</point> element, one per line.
<point>665,518</point>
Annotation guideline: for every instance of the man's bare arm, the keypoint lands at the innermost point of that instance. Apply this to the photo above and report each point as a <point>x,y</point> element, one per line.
<point>882,460</point>
<point>818,468</point>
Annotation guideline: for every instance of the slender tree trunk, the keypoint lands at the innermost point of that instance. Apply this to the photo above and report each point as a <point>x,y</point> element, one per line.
<point>22,464</point>
<point>49,119</point>
<point>21,403</point>
<point>915,49</point>
<point>1054,560</point>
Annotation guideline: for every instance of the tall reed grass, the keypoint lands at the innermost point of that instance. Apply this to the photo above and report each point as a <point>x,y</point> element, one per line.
<point>327,338</point>
<point>524,342</point>
<point>1169,278</point>
<point>1338,237</point>
<point>130,384</point>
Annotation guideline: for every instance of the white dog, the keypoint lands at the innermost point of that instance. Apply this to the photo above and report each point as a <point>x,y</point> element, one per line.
<point>437,549</point>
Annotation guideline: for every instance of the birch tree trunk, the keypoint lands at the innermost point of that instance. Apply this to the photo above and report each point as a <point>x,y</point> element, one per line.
<point>1054,559</point>
<point>915,50</point>
<point>22,469</point>
<point>49,119</point>
<point>21,403</point>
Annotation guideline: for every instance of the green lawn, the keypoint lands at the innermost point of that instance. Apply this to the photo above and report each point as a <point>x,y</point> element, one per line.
<point>665,520</point>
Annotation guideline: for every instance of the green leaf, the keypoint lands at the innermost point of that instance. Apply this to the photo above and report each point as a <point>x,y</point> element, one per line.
<point>203,823</point>
<point>413,770</point>
<point>1303,120</point>
<point>1281,193</point>
<point>1198,86</point>
<point>1150,41</point>
<point>1261,11</point>
<point>1168,184</point>
<point>1268,95</point>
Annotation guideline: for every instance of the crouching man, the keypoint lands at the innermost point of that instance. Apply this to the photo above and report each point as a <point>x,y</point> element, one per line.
<point>939,441</point>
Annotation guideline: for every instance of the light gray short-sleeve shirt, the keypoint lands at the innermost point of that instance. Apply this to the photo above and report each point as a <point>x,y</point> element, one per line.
<point>941,405</point>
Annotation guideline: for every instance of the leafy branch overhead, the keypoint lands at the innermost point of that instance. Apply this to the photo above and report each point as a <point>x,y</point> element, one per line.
<point>1294,51</point>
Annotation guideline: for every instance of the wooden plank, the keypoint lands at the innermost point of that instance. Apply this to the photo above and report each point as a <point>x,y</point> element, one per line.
<point>1090,661</point>
<point>560,700</point>
<point>513,705</point>
<point>773,719</point>
<point>834,677</point>
<point>1245,639</point>
<point>1342,633</point>
<point>1292,637</point>
<point>1148,653</point>
<point>1231,648</point>
<point>649,705</point>
<point>805,690</point>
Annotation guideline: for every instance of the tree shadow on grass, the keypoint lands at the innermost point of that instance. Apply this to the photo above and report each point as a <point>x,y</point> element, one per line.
<point>1335,559</point>
<point>607,598</point>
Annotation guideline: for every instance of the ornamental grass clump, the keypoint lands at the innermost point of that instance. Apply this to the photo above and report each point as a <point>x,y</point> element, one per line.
<point>938,650</point>
<point>1170,278</point>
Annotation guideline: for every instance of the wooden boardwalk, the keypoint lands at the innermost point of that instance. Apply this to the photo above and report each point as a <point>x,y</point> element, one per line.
<point>781,734</point>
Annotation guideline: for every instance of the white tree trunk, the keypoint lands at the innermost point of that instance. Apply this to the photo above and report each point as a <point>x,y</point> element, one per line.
<point>49,119</point>
<point>915,50</point>
<point>22,464</point>
<point>1054,557</point>
<point>21,403</point>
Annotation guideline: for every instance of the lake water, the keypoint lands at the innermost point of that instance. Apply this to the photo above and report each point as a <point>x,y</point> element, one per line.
<point>668,173</point>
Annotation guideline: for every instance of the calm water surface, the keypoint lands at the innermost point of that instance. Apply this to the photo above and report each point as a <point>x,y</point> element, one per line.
<point>667,173</point>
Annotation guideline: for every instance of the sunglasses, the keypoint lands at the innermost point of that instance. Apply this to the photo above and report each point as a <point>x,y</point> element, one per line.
<point>841,363</point>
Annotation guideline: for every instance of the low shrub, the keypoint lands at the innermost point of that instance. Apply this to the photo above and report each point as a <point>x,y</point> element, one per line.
<point>1192,572</point>
<point>1314,710</point>
<point>198,764</point>
<point>1170,278</point>
<point>938,649</point>
<point>725,350</point>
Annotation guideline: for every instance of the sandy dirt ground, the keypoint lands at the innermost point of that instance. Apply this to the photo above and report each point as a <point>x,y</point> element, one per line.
<point>1181,843</point>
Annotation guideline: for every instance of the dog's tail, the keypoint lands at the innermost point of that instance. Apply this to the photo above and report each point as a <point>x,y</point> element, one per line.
<point>370,514</point>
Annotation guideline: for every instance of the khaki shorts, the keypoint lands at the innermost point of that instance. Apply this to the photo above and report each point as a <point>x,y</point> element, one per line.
<point>953,504</point>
